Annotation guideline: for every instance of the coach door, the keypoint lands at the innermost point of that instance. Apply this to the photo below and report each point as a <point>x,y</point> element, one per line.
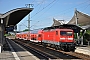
<point>39,37</point>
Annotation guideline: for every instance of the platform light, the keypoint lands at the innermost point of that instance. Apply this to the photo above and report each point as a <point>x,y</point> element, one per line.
<point>1,21</point>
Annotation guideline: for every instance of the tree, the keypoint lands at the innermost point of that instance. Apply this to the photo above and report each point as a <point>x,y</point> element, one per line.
<point>86,38</point>
<point>25,30</point>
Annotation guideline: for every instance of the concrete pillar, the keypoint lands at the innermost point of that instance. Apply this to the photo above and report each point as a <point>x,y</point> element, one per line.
<point>83,32</point>
<point>82,40</point>
<point>88,43</point>
<point>78,37</point>
<point>1,34</point>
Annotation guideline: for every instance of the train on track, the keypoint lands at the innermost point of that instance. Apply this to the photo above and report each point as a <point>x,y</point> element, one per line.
<point>58,38</point>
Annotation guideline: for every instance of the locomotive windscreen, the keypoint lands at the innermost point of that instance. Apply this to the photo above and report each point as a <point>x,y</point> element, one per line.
<point>67,33</point>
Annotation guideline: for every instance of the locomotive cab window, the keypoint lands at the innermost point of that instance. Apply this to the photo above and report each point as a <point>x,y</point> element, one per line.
<point>68,33</point>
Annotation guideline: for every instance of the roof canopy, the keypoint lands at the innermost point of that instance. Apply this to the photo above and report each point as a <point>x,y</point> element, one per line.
<point>68,26</point>
<point>56,23</point>
<point>14,16</point>
<point>82,19</point>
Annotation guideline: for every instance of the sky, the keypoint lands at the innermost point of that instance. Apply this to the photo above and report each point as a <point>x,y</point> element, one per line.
<point>45,10</point>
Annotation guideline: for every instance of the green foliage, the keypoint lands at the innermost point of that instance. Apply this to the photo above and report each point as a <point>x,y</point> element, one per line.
<point>7,35</point>
<point>25,30</point>
<point>75,35</point>
<point>88,32</point>
<point>87,36</point>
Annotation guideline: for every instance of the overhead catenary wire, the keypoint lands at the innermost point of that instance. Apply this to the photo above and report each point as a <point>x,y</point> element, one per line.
<point>40,3</point>
<point>45,11</point>
<point>39,6</point>
<point>58,12</point>
<point>61,11</point>
<point>36,6</point>
<point>33,1</point>
<point>43,8</point>
<point>66,10</point>
<point>86,7</point>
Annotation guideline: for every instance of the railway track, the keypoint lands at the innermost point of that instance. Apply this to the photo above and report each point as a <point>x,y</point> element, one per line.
<point>37,52</point>
<point>78,55</point>
<point>48,52</point>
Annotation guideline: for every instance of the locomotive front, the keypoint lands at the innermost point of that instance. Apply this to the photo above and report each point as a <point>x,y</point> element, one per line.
<point>67,39</point>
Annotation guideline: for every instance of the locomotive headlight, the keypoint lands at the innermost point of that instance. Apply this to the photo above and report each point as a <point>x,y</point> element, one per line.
<point>70,38</point>
<point>62,38</point>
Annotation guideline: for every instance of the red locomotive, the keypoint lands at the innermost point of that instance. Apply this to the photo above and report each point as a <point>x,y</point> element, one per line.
<point>58,38</point>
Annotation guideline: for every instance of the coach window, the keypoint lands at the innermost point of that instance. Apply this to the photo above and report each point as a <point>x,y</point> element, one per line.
<point>56,32</point>
<point>39,35</point>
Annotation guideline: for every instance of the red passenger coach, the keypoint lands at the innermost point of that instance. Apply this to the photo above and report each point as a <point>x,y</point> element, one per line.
<point>17,35</point>
<point>40,35</point>
<point>36,35</point>
<point>33,35</point>
<point>61,38</point>
<point>21,35</point>
<point>25,35</point>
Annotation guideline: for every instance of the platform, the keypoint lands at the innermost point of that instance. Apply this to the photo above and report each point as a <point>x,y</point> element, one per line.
<point>6,55</point>
<point>83,49</point>
<point>16,52</point>
<point>19,53</point>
